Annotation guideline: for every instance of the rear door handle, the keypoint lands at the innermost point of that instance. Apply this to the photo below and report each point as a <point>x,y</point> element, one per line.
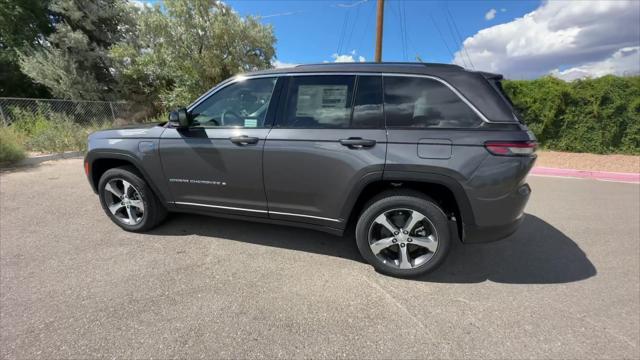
<point>244,140</point>
<point>357,143</point>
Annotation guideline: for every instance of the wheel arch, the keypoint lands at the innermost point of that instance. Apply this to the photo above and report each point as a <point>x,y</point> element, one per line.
<point>446,191</point>
<point>98,162</point>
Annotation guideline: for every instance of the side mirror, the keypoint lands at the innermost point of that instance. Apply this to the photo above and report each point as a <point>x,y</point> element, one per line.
<point>179,118</point>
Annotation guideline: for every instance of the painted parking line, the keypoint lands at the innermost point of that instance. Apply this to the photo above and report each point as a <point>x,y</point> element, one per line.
<point>633,178</point>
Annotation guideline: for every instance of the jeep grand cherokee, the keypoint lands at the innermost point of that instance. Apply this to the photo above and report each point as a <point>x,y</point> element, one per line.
<point>415,155</point>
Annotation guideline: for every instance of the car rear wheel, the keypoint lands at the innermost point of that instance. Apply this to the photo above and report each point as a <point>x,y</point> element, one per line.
<point>128,201</point>
<point>403,234</point>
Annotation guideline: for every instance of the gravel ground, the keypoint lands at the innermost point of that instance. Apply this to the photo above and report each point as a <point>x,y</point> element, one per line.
<point>74,285</point>
<point>580,161</point>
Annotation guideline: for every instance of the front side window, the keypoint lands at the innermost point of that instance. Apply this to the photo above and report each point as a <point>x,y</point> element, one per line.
<point>241,104</point>
<point>425,103</point>
<point>318,102</point>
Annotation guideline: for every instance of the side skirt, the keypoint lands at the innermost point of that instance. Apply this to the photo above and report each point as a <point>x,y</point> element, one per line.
<point>326,229</point>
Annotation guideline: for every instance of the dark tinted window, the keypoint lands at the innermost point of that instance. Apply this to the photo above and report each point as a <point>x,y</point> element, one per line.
<point>319,102</point>
<point>422,102</point>
<point>367,108</point>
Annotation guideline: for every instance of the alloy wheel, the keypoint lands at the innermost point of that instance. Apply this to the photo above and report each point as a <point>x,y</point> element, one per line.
<point>403,238</point>
<point>124,201</point>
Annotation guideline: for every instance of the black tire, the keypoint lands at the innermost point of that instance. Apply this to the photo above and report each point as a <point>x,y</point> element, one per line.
<point>154,210</point>
<point>403,199</point>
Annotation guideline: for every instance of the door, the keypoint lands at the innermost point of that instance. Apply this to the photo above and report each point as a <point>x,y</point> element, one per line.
<point>216,164</point>
<point>328,140</point>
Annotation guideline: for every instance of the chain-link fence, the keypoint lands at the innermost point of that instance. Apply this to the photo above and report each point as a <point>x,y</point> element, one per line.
<point>78,111</point>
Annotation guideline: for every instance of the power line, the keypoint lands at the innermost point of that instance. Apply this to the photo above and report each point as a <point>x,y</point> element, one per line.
<point>355,22</point>
<point>401,23</point>
<point>342,32</point>
<point>455,26</point>
<point>453,36</point>
<point>441,37</point>
<point>407,34</point>
<point>404,30</point>
<point>399,17</point>
<point>369,16</point>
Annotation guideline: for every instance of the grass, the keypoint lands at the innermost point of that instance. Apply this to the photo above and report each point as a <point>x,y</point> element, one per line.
<point>40,132</point>
<point>47,132</point>
<point>11,148</point>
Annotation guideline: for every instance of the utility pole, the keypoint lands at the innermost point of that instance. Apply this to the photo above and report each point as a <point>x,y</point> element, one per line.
<point>379,31</point>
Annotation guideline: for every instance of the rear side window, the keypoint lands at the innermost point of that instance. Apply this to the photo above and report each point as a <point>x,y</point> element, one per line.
<point>497,84</point>
<point>319,102</point>
<point>425,103</point>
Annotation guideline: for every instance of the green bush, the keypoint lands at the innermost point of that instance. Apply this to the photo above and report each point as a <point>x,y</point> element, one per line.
<point>11,149</point>
<point>59,135</point>
<point>51,132</point>
<point>593,115</point>
<point>27,123</point>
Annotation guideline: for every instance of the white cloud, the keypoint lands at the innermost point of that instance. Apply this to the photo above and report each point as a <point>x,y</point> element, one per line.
<point>279,64</point>
<point>490,14</point>
<point>140,4</point>
<point>558,34</point>
<point>625,61</point>
<point>288,13</point>
<point>350,57</point>
<point>350,5</point>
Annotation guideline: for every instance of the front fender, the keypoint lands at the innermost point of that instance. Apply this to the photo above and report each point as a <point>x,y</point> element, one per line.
<point>142,154</point>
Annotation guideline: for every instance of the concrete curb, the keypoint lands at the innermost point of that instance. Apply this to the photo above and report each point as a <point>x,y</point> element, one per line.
<point>587,174</point>
<point>34,160</point>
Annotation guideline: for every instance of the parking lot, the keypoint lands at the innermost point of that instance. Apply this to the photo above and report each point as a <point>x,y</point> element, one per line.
<point>74,285</point>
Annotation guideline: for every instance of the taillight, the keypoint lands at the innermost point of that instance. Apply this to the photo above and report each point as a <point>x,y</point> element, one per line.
<point>86,168</point>
<point>511,148</point>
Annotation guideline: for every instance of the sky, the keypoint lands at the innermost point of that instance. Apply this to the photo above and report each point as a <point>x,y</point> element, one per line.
<point>520,39</point>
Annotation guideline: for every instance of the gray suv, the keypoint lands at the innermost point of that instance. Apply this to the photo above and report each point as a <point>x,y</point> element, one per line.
<point>413,155</point>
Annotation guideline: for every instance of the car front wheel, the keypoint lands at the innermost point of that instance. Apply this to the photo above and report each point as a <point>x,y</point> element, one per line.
<point>128,201</point>
<point>403,234</point>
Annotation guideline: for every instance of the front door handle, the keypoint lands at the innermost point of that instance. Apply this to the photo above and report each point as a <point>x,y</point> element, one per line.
<point>357,143</point>
<point>244,140</point>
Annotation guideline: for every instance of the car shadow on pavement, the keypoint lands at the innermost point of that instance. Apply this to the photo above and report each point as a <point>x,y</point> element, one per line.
<point>537,253</point>
<point>279,236</point>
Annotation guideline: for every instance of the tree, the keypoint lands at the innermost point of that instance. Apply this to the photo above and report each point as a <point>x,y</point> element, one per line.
<point>22,23</point>
<point>73,61</point>
<point>178,51</point>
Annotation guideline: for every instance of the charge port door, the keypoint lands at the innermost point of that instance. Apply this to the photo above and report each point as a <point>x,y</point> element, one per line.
<point>434,148</point>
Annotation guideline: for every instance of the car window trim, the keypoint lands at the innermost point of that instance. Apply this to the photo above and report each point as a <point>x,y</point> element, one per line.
<point>353,73</point>
<point>381,124</point>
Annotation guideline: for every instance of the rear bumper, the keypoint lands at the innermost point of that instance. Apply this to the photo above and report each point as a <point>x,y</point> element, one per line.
<point>483,234</point>
<point>500,218</point>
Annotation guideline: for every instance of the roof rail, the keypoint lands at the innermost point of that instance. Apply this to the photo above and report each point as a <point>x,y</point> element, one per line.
<point>416,64</point>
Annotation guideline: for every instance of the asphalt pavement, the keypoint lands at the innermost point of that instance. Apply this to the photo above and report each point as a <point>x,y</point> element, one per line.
<point>74,285</point>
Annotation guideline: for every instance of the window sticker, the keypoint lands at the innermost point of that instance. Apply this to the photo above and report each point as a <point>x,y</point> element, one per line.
<point>314,98</point>
<point>250,122</point>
